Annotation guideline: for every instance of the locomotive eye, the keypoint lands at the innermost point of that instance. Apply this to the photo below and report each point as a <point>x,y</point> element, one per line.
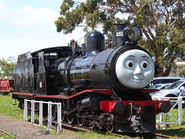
<point>129,64</point>
<point>144,64</point>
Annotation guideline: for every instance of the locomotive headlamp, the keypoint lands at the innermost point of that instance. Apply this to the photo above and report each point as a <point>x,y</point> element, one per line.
<point>133,33</point>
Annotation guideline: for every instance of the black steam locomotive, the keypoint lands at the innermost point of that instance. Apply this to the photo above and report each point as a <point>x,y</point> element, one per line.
<point>101,88</point>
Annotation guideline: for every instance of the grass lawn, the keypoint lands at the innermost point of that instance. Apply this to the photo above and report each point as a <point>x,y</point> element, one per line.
<point>9,108</point>
<point>176,132</point>
<point>6,137</point>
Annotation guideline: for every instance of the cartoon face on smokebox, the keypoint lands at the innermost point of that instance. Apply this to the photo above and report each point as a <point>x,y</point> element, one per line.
<point>134,69</point>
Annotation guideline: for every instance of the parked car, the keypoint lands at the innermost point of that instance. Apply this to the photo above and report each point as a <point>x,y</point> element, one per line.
<point>164,80</point>
<point>174,90</point>
<point>161,86</point>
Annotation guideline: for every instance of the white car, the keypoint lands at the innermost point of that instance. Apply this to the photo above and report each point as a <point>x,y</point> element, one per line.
<point>161,86</point>
<point>165,80</point>
<point>174,90</point>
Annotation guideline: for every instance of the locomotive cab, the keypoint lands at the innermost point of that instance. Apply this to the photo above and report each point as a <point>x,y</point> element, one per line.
<point>34,72</point>
<point>46,72</point>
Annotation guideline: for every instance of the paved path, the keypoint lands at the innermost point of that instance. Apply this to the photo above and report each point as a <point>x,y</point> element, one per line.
<point>25,130</point>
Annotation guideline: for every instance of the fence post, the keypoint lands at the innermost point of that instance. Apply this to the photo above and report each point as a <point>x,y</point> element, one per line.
<point>59,114</point>
<point>160,118</point>
<point>49,114</point>
<point>25,110</point>
<point>41,103</point>
<point>32,111</point>
<point>180,110</point>
<point>40,113</point>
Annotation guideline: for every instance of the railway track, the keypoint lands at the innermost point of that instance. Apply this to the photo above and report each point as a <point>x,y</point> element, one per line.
<point>86,129</point>
<point>4,133</point>
<point>160,136</point>
<point>75,127</point>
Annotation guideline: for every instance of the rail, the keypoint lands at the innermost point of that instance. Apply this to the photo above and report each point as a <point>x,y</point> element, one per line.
<point>49,123</point>
<point>171,117</point>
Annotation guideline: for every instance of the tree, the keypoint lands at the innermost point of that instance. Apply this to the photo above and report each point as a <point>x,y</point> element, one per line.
<point>162,23</point>
<point>7,68</point>
<point>178,70</point>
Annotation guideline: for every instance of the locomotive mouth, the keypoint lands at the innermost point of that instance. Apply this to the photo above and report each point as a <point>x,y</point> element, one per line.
<point>137,80</point>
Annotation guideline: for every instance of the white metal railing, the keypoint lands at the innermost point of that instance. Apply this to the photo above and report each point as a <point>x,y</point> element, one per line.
<point>170,117</point>
<point>49,124</point>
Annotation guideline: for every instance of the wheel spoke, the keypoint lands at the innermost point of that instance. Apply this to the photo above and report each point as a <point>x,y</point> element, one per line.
<point>110,128</point>
<point>80,120</point>
<point>70,119</point>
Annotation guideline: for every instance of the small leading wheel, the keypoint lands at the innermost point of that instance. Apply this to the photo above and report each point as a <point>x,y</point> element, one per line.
<point>109,123</point>
<point>110,128</point>
<point>80,121</point>
<point>91,124</point>
<point>70,119</point>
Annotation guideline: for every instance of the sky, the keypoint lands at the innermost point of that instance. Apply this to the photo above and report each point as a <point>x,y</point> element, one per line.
<point>28,25</point>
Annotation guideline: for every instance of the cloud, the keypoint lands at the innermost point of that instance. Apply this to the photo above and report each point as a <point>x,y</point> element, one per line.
<point>16,45</point>
<point>3,9</point>
<point>31,16</point>
<point>27,15</point>
<point>2,6</point>
<point>26,28</point>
